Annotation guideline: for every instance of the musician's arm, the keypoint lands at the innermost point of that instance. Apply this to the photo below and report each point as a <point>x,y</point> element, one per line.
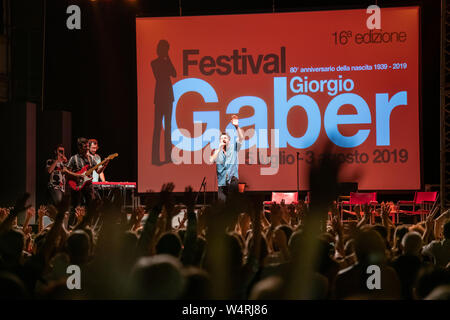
<point>67,169</point>
<point>214,156</point>
<point>102,168</point>
<point>240,134</point>
<point>70,173</point>
<point>51,167</point>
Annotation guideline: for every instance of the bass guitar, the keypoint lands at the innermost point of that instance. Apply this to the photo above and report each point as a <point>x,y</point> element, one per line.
<point>86,174</point>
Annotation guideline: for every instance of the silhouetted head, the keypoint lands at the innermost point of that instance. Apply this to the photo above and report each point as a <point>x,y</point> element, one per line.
<point>57,290</point>
<point>412,243</point>
<point>163,48</point>
<point>369,247</point>
<point>235,250</point>
<point>82,144</point>
<point>325,250</point>
<point>39,241</point>
<point>267,289</point>
<point>78,247</point>
<point>129,240</point>
<point>12,243</point>
<point>264,251</point>
<point>91,236</point>
<point>157,277</point>
<point>242,243</point>
<point>439,293</point>
<point>232,250</point>
<point>381,230</point>
<point>286,229</point>
<point>399,233</point>
<point>430,278</point>
<point>127,248</point>
<point>295,242</point>
<point>169,243</point>
<point>447,230</point>
<point>198,284</point>
<point>199,251</point>
<point>11,287</point>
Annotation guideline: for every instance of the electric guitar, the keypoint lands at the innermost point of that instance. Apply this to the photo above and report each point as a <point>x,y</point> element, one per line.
<point>86,174</point>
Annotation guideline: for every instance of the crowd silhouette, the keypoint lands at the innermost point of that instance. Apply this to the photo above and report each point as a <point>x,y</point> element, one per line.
<point>229,250</point>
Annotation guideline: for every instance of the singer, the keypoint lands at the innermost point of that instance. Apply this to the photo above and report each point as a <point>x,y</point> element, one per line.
<point>227,162</point>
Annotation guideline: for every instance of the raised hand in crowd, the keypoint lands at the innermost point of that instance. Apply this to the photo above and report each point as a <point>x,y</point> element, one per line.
<point>275,215</point>
<point>335,211</point>
<point>337,228</point>
<point>56,235</point>
<point>292,214</point>
<point>429,229</point>
<point>252,264</point>
<point>4,212</point>
<point>367,216</point>
<point>439,223</point>
<point>80,212</point>
<point>19,206</point>
<point>285,217</point>
<point>201,221</point>
<point>265,224</point>
<point>190,237</point>
<point>280,241</point>
<point>30,213</point>
<point>243,224</point>
<point>154,206</point>
<point>42,212</point>
<point>140,213</point>
<point>357,210</point>
<point>385,213</point>
<point>302,211</point>
<point>168,202</point>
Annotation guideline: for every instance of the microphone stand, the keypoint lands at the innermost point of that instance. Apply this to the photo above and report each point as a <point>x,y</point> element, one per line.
<point>203,185</point>
<point>298,184</point>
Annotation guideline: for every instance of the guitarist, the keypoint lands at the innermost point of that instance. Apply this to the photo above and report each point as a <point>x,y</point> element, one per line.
<point>75,164</point>
<point>93,148</point>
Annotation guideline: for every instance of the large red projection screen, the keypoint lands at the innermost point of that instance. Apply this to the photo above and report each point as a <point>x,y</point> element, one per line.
<point>297,82</point>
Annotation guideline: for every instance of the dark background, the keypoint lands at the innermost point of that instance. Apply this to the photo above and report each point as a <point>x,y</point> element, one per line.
<point>92,74</point>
